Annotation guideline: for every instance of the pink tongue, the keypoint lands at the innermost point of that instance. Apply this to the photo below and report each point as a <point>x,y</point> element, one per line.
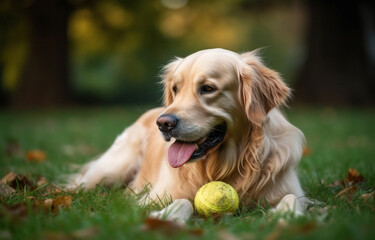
<point>179,153</point>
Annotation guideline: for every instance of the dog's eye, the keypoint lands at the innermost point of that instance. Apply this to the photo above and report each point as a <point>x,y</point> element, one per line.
<point>206,89</point>
<point>175,89</point>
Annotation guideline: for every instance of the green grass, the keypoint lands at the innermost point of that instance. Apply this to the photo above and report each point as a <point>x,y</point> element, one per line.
<point>338,139</point>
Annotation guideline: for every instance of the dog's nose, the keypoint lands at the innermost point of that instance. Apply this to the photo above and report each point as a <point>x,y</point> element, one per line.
<point>167,122</point>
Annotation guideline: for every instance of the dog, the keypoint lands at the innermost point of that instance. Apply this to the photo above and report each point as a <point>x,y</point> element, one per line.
<point>220,121</point>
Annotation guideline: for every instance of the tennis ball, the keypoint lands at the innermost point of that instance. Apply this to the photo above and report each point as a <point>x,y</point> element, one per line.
<point>216,197</point>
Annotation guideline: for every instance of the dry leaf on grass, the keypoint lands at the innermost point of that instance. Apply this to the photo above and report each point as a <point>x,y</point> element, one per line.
<point>48,203</point>
<point>61,202</point>
<point>368,200</point>
<point>41,181</point>
<point>350,186</point>
<point>53,190</point>
<point>348,193</point>
<point>8,178</point>
<point>35,156</point>
<point>5,190</point>
<point>368,196</point>
<point>353,177</point>
<point>17,181</point>
<point>14,181</point>
<point>53,205</point>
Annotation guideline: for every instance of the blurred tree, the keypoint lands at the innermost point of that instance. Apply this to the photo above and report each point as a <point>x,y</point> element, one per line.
<point>45,77</point>
<point>111,51</point>
<point>340,59</point>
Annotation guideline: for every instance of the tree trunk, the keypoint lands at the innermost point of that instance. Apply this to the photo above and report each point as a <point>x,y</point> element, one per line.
<point>339,68</point>
<point>45,79</point>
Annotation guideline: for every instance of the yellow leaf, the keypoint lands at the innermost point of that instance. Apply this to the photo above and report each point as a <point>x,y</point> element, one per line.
<point>353,176</point>
<point>35,156</point>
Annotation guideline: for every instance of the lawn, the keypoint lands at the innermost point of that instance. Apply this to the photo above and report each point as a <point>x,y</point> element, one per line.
<point>338,140</point>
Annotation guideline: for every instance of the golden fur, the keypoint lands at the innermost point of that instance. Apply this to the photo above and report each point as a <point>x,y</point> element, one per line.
<point>260,150</point>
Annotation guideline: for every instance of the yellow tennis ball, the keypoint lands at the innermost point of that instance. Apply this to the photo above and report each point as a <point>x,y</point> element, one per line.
<point>216,197</point>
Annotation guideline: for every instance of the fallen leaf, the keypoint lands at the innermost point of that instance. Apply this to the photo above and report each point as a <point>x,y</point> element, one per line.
<point>368,196</point>
<point>35,156</point>
<point>5,190</point>
<point>17,181</point>
<point>8,178</point>
<point>41,181</point>
<point>353,177</point>
<point>368,200</point>
<point>48,203</point>
<point>348,192</point>
<point>61,202</point>
<point>52,189</point>
<point>53,205</point>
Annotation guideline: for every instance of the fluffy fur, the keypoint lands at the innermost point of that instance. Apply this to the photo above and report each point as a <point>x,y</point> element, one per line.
<point>258,155</point>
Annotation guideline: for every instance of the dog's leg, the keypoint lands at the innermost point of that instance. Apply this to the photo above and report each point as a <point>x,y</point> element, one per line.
<point>290,203</point>
<point>118,164</point>
<point>180,211</point>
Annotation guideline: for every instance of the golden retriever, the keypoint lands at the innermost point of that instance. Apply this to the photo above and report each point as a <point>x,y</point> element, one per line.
<point>221,122</point>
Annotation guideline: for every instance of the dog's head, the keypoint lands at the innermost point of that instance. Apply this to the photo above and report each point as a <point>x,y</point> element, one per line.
<point>211,96</point>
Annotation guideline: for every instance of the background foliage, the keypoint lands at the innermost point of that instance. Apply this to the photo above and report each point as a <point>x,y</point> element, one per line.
<point>117,48</point>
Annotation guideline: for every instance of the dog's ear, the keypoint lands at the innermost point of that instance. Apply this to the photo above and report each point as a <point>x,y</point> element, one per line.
<point>262,88</point>
<point>166,77</point>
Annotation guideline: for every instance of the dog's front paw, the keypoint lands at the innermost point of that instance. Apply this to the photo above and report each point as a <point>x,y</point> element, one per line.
<point>290,203</point>
<point>179,211</point>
